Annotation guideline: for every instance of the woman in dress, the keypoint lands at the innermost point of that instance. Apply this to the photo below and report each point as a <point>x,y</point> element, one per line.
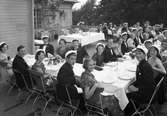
<point>159,71</point>
<point>92,90</point>
<point>154,60</point>
<point>98,56</point>
<point>5,64</point>
<point>38,65</point>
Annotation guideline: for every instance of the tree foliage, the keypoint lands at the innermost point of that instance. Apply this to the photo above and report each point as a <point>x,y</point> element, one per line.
<point>118,11</point>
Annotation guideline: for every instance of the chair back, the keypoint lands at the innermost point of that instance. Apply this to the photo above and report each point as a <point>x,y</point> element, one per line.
<point>156,90</point>
<point>20,80</point>
<point>38,80</point>
<point>68,95</point>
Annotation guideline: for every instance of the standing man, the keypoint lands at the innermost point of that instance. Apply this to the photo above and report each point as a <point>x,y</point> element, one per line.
<point>105,31</point>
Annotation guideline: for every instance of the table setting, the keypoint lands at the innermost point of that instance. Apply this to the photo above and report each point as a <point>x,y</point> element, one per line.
<point>114,77</point>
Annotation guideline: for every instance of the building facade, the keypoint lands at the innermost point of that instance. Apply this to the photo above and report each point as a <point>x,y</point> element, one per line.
<point>53,14</point>
<point>16,24</point>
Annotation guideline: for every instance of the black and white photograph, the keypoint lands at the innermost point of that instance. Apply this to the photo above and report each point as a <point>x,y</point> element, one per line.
<point>83,58</point>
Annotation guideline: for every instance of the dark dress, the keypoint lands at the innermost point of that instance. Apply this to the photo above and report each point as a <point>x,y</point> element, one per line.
<point>20,65</point>
<point>49,48</point>
<point>108,102</point>
<point>108,55</point>
<point>145,83</point>
<point>66,78</point>
<point>99,59</point>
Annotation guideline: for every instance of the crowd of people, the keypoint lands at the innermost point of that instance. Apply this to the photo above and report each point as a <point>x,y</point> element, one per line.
<point>148,44</point>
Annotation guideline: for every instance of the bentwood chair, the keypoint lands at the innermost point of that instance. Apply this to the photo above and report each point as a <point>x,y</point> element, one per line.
<point>12,84</point>
<point>40,89</point>
<point>143,108</point>
<point>68,104</point>
<point>94,109</point>
<point>22,84</point>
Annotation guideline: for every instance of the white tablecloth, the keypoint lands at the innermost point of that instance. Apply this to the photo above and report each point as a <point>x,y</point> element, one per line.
<point>84,38</point>
<point>38,42</point>
<point>115,76</point>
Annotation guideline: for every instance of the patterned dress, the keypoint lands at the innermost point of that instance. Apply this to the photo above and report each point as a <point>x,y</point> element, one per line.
<point>109,102</point>
<point>5,69</point>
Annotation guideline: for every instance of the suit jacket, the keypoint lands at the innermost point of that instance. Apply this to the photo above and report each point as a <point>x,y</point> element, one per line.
<point>99,59</point>
<point>144,80</point>
<point>66,78</point>
<point>81,53</point>
<point>20,65</point>
<point>49,48</point>
<point>124,48</point>
<point>108,55</point>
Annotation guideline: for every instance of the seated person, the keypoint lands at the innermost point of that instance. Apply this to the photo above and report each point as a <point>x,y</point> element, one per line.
<point>148,44</point>
<point>142,89</point>
<point>130,42</point>
<point>117,48</point>
<point>108,52</point>
<point>98,56</point>
<point>75,44</point>
<point>20,65</point>
<point>62,49</point>
<point>81,54</point>
<point>154,59</point>
<point>66,78</point>
<point>163,52</point>
<point>47,48</point>
<point>38,65</point>
<point>92,90</point>
<point>5,64</point>
<point>81,51</point>
<point>124,46</point>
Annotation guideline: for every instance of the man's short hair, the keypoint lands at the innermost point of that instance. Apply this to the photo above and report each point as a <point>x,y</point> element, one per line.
<point>75,40</point>
<point>20,47</point>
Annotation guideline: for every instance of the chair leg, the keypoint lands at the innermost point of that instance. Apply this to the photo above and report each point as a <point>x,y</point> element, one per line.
<point>155,111</point>
<point>46,104</point>
<point>58,110</point>
<point>150,112</point>
<point>10,89</point>
<point>73,112</point>
<point>35,100</point>
<point>28,97</point>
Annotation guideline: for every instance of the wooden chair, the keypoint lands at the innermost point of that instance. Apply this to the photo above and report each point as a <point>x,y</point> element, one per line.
<point>143,108</point>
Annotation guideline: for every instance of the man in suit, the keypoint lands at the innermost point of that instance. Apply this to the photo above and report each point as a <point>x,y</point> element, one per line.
<point>66,78</point>
<point>124,45</point>
<point>105,30</point>
<point>20,65</point>
<point>142,89</point>
<point>48,48</point>
<point>81,51</point>
<point>108,52</point>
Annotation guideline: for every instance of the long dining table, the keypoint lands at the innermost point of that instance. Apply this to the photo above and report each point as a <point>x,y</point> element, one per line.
<point>114,77</point>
